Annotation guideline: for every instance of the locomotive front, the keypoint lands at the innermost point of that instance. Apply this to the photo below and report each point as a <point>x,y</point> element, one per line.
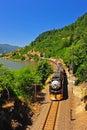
<point>56,86</point>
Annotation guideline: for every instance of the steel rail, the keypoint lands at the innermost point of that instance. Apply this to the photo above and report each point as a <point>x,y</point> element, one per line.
<point>51,116</point>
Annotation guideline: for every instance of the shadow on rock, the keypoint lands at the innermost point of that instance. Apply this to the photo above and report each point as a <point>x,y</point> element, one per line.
<point>15,116</point>
<point>65,88</point>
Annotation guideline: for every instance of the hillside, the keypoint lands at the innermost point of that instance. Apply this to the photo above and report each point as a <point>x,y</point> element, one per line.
<point>5,48</point>
<point>68,43</point>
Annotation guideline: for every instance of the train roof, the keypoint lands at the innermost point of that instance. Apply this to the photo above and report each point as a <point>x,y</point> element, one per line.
<point>57,74</point>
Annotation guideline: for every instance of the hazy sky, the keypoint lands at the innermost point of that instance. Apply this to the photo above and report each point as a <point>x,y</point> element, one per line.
<point>21,21</point>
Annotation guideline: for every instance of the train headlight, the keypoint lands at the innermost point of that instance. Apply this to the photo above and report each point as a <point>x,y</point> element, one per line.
<point>55,84</point>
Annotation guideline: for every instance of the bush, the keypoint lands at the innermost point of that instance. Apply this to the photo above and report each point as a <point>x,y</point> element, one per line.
<point>44,70</point>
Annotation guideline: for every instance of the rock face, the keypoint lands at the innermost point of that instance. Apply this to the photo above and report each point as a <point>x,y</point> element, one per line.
<point>81,93</point>
<point>14,114</point>
<point>80,90</point>
<point>79,107</point>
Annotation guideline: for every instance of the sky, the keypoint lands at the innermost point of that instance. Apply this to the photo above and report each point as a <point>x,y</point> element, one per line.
<point>21,21</point>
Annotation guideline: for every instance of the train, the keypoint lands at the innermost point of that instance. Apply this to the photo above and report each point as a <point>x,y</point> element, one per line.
<point>56,83</point>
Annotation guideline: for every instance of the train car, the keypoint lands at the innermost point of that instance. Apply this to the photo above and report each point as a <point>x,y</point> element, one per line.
<point>56,84</point>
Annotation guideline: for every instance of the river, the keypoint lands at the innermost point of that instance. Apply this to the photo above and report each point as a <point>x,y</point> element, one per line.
<point>13,65</point>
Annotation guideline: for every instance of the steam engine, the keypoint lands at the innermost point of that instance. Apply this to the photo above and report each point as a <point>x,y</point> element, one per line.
<point>57,84</point>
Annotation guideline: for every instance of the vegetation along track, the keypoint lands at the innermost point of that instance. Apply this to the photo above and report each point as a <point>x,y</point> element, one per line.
<point>49,123</point>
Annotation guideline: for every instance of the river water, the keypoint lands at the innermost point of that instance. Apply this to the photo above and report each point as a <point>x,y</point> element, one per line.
<point>13,65</point>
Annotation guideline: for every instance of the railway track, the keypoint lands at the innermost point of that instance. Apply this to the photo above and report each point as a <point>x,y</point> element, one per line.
<point>50,120</point>
<point>46,120</point>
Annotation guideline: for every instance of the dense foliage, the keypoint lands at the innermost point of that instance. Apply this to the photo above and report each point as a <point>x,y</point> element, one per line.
<point>43,70</point>
<point>21,83</point>
<point>6,78</point>
<point>68,43</point>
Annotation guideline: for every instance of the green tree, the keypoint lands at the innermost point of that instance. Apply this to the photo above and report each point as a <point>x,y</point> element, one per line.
<point>82,73</point>
<point>44,70</point>
<point>6,80</point>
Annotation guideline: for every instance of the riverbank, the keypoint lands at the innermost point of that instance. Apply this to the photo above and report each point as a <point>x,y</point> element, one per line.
<point>14,65</point>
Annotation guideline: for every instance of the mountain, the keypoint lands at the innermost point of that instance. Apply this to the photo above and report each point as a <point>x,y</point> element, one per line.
<point>5,48</point>
<point>68,43</point>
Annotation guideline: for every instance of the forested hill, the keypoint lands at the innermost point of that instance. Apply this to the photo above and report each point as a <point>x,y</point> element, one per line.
<point>68,43</point>
<point>5,48</point>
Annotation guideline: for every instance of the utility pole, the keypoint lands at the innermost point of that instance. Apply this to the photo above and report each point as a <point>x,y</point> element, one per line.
<point>35,89</point>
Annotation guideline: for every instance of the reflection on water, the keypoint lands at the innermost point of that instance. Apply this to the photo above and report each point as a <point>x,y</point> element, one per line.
<point>13,64</point>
